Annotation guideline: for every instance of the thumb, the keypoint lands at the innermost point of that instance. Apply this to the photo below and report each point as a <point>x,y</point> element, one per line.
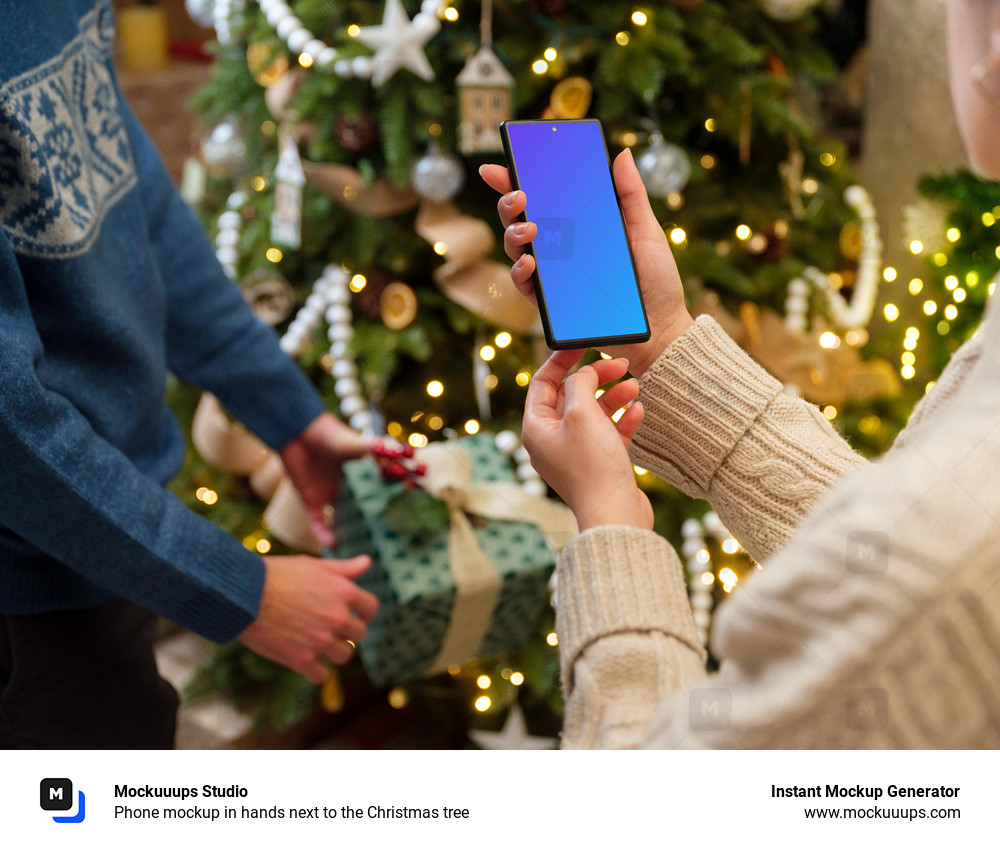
<point>581,388</point>
<point>640,221</point>
<point>350,567</point>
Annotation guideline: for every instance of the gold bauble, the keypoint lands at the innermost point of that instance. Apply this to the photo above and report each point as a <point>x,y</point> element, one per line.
<point>331,696</point>
<point>571,98</point>
<point>398,305</point>
<point>851,240</point>
<point>267,62</point>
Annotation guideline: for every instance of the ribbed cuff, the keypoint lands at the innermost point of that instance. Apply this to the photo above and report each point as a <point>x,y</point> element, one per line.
<point>700,397</point>
<point>617,579</point>
<point>228,598</point>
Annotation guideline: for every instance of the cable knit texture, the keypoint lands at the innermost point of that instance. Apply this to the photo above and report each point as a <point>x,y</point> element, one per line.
<point>876,619</point>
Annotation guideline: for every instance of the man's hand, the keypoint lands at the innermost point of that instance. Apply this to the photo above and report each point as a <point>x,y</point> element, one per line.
<point>313,461</point>
<point>658,277</point>
<point>309,609</point>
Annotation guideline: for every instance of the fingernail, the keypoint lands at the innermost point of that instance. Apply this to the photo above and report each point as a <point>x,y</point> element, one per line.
<point>520,229</point>
<point>481,167</point>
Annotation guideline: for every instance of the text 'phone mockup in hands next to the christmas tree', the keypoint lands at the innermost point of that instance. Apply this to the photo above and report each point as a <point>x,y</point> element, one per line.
<point>585,279</point>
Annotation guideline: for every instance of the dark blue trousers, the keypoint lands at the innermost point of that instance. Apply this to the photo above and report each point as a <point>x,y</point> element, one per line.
<point>83,680</point>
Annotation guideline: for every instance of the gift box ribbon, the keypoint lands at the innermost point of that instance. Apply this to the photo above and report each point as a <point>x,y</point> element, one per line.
<point>477,579</point>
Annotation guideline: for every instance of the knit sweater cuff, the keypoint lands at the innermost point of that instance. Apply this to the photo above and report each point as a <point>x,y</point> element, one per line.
<point>617,579</point>
<point>700,397</point>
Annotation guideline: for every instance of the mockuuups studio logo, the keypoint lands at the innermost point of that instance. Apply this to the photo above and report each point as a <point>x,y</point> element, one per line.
<point>56,795</point>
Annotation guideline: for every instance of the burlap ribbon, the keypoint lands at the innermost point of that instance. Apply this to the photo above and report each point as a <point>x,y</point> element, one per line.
<point>477,579</point>
<point>225,443</point>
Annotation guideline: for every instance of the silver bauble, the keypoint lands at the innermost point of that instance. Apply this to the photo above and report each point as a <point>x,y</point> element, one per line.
<point>787,10</point>
<point>438,176</point>
<point>224,149</point>
<point>664,167</point>
<point>201,12</point>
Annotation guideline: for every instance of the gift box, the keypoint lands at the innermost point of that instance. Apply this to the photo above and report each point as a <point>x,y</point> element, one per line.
<point>471,584</point>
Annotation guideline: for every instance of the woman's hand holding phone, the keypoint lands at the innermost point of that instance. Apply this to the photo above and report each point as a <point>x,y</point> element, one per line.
<point>658,277</point>
<point>576,446</point>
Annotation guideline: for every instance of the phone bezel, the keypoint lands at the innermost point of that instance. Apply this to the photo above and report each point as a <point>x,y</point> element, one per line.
<point>550,340</point>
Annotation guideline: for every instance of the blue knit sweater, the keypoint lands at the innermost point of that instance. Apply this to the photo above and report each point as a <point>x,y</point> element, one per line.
<point>107,282</point>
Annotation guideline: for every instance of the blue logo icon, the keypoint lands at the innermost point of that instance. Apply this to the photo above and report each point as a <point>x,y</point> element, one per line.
<point>56,795</point>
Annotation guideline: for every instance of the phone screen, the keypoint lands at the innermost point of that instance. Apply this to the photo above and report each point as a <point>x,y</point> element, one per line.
<point>585,279</point>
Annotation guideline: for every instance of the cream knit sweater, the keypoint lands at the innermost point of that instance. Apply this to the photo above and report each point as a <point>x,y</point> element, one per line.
<point>875,621</point>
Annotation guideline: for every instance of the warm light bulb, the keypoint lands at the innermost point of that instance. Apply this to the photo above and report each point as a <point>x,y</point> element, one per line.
<point>539,66</point>
<point>435,389</point>
<point>483,704</point>
<point>263,546</point>
<point>550,54</point>
<point>930,307</point>
<point>517,678</point>
<point>907,372</point>
<point>743,232</point>
<point>889,274</point>
<point>677,235</point>
<point>354,30</point>
<point>450,13</point>
<point>418,441</point>
<point>891,312</point>
<point>623,38</point>
<point>829,339</point>
<point>639,18</point>
<point>503,339</point>
<point>274,254</point>
<point>951,312</point>
<point>730,546</point>
<point>916,247</point>
<point>305,60</point>
<point>472,427</point>
<point>916,285</point>
<point>552,639</point>
<point>830,412</point>
<point>953,234</point>
<point>484,682</point>
<point>487,352</point>
<point>358,282</point>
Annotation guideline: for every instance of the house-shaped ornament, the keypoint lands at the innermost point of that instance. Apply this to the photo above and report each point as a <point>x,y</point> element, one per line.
<point>485,94</point>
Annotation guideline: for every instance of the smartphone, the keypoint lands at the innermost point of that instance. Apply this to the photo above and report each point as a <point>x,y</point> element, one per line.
<point>585,280</point>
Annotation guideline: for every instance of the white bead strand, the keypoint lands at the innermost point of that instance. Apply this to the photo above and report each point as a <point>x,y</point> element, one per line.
<point>313,51</point>
<point>858,313</point>
<point>227,240</point>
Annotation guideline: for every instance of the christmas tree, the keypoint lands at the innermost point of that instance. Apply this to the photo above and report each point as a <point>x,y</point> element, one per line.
<point>342,145</point>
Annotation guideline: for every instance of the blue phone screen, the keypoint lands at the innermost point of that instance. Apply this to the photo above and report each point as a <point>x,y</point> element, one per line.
<point>583,263</point>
